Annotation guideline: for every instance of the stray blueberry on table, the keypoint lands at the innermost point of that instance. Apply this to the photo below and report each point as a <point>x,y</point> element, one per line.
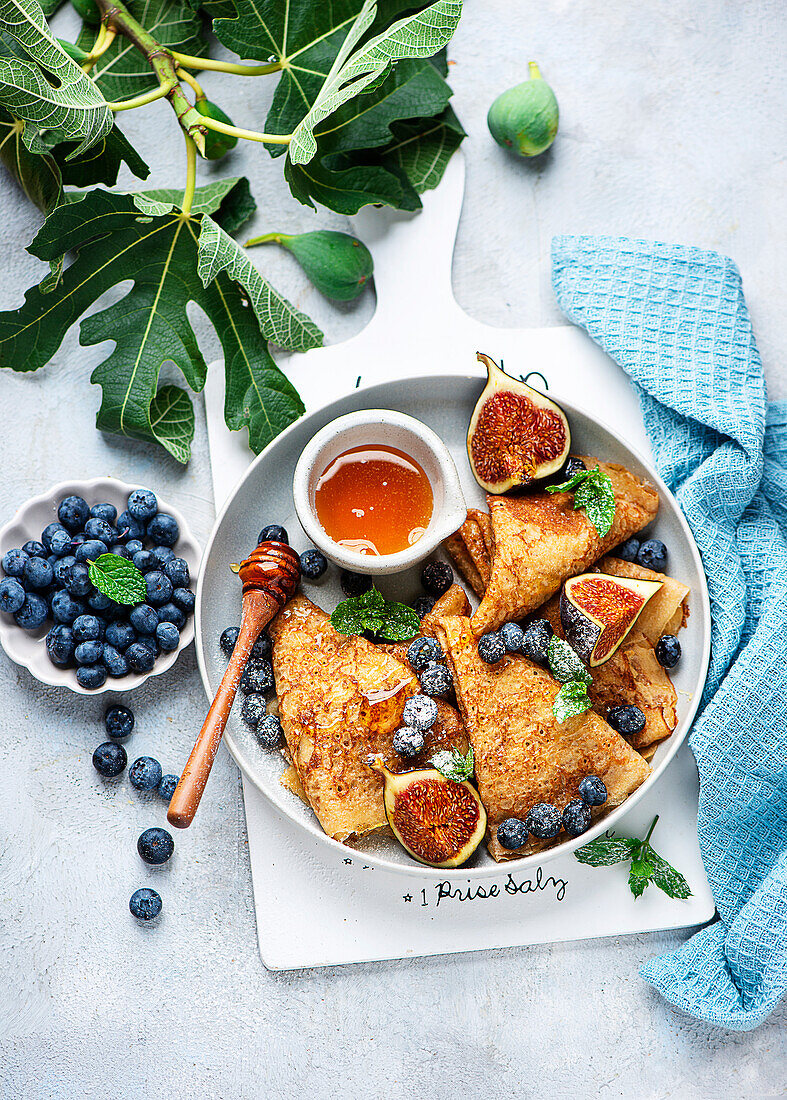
<point>65,609</point>
<point>512,833</point>
<point>113,661</point>
<point>167,785</point>
<point>254,708</point>
<point>592,790</point>
<point>144,561</point>
<point>143,618</point>
<point>313,564</point>
<point>228,639</point>
<point>257,677</point>
<point>119,721</point>
<point>423,605</point>
<point>101,530</point>
<point>491,648</point>
<point>106,512</point>
<point>145,904</point>
<point>512,635</point>
<point>129,527</point>
<point>354,584</point>
<point>87,628</point>
<point>535,640</point>
<point>627,720</point>
<point>32,613</point>
<point>158,586</point>
<point>543,821</point>
<point>145,773</point>
<point>420,712</point>
<point>436,680</point>
<point>73,513</point>
<point>60,645</point>
<point>270,732</point>
<point>437,577</point>
<point>141,657</point>
<point>177,570</point>
<point>12,595</point>
<point>263,647</point>
<point>576,817</point>
<point>163,530</point>
<point>37,574</point>
<point>155,845</point>
<point>109,759</point>
<point>167,637</point>
<point>628,550</point>
<point>185,599</point>
<point>668,651</point>
<point>14,562</point>
<point>88,653</point>
<point>274,532</point>
<point>653,555</point>
<point>422,651</point>
<point>120,635</point>
<point>408,741</point>
<point>142,504</point>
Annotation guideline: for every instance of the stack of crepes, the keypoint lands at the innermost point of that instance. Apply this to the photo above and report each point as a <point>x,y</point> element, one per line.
<point>341,697</point>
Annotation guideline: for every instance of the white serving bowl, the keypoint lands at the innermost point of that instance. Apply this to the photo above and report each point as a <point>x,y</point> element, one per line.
<point>26,647</point>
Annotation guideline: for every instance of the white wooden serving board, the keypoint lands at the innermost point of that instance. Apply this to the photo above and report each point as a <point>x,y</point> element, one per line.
<point>361,913</point>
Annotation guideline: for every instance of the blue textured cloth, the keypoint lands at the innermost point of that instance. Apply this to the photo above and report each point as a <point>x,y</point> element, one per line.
<point>675,319</point>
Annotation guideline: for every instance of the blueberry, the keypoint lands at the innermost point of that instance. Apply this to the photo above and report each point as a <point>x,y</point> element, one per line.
<point>592,790</point>
<point>437,577</point>
<point>140,657</point>
<point>65,608</point>
<point>119,721</point>
<point>100,603</point>
<point>270,732</point>
<point>77,540</point>
<point>142,504</point>
<point>163,530</point>
<point>570,467</point>
<point>177,570</point>
<point>129,527</point>
<point>32,613</point>
<point>14,562</point>
<point>512,833</point>
<point>109,759</point>
<point>408,741</point>
<point>254,708</point>
<point>422,651</point>
<point>51,559</point>
<point>145,904</point>
<point>653,555</point>
<point>133,546</point>
<point>60,569</point>
<point>90,550</point>
<point>576,817</point>
<point>167,785</point>
<point>48,532</point>
<point>144,561</point>
<point>161,555</point>
<point>491,648</point>
<point>169,613</point>
<point>88,653</point>
<point>60,543</point>
<point>35,549</point>
<point>313,564</point>
<point>149,641</point>
<point>184,599</point>
<point>228,639</point>
<point>354,584</point>
<point>60,645</point>
<point>668,651</point>
<point>628,550</point>
<point>159,587</point>
<point>37,574</point>
<point>627,720</point>
<point>274,532</point>
<point>436,680</point>
<point>543,821</point>
<point>87,628</point>
<point>513,636</point>
<point>73,513</point>
<point>155,845</point>
<point>145,773</point>
<point>535,640</point>
<point>167,637</point>
<point>423,605</point>
<point>257,676</point>
<point>107,512</point>
<point>263,647</point>
<point>420,712</point>
<point>143,618</point>
<point>12,595</point>
<point>78,580</point>
<point>120,550</point>
<point>101,530</point>
<point>113,661</point>
<point>91,676</point>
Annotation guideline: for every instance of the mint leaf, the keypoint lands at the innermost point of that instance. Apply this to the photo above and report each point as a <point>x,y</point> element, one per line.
<point>359,613</point>
<point>571,700</point>
<point>564,664</point>
<point>606,850</point>
<point>567,486</point>
<point>646,865</point>
<point>640,874</point>
<point>593,492</point>
<point>118,578</point>
<point>400,622</point>
<point>453,765</point>
<point>667,877</point>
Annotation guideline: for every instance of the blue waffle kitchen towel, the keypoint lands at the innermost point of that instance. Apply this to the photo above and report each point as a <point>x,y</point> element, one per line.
<point>676,320</point>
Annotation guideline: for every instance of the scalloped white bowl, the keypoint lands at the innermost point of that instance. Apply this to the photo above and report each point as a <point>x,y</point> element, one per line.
<point>26,647</point>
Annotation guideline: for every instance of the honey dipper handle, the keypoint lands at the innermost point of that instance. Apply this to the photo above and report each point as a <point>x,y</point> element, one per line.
<point>258,610</point>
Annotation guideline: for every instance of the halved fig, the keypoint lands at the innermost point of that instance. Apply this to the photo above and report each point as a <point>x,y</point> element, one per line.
<point>438,821</point>
<point>516,435</point>
<point>597,612</point>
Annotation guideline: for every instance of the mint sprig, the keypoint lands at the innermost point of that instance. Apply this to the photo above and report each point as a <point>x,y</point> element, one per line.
<point>594,493</point>
<point>646,864</point>
<point>453,765</point>
<point>566,666</point>
<point>118,578</point>
<point>386,618</point>
<point>571,700</point>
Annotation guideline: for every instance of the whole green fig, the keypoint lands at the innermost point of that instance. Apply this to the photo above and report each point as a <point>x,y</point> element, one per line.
<point>88,10</point>
<point>339,265</point>
<point>216,143</point>
<point>524,119</point>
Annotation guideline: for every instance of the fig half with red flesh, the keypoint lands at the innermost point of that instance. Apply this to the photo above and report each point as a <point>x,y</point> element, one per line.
<point>597,612</point>
<point>516,435</point>
<point>439,822</point>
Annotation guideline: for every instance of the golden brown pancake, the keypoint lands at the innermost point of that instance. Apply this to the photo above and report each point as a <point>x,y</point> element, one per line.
<point>523,755</point>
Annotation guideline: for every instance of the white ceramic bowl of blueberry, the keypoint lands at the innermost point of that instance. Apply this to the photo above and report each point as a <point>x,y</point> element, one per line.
<point>28,646</point>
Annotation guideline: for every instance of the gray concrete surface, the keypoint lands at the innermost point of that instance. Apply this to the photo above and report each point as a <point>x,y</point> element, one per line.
<point>673,126</point>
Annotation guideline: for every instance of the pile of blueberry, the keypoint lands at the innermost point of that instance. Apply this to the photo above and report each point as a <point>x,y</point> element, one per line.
<point>545,821</point>
<point>420,711</point>
<point>49,581</point>
<point>155,845</point>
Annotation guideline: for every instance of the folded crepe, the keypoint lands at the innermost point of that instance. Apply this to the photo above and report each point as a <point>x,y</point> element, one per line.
<point>340,698</point>
<point>539,539</point>
<point>523,755</point>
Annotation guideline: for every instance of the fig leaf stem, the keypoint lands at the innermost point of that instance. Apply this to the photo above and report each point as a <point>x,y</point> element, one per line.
<point>226,66</point>
<point>533,69</point>
<point>248,135</point>
<point>191,176</point>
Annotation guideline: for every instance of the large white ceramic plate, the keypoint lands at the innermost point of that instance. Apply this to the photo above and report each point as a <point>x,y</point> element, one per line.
<point>264,495</point>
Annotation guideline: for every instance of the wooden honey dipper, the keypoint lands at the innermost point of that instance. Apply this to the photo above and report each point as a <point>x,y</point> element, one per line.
<point>269,577</point>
